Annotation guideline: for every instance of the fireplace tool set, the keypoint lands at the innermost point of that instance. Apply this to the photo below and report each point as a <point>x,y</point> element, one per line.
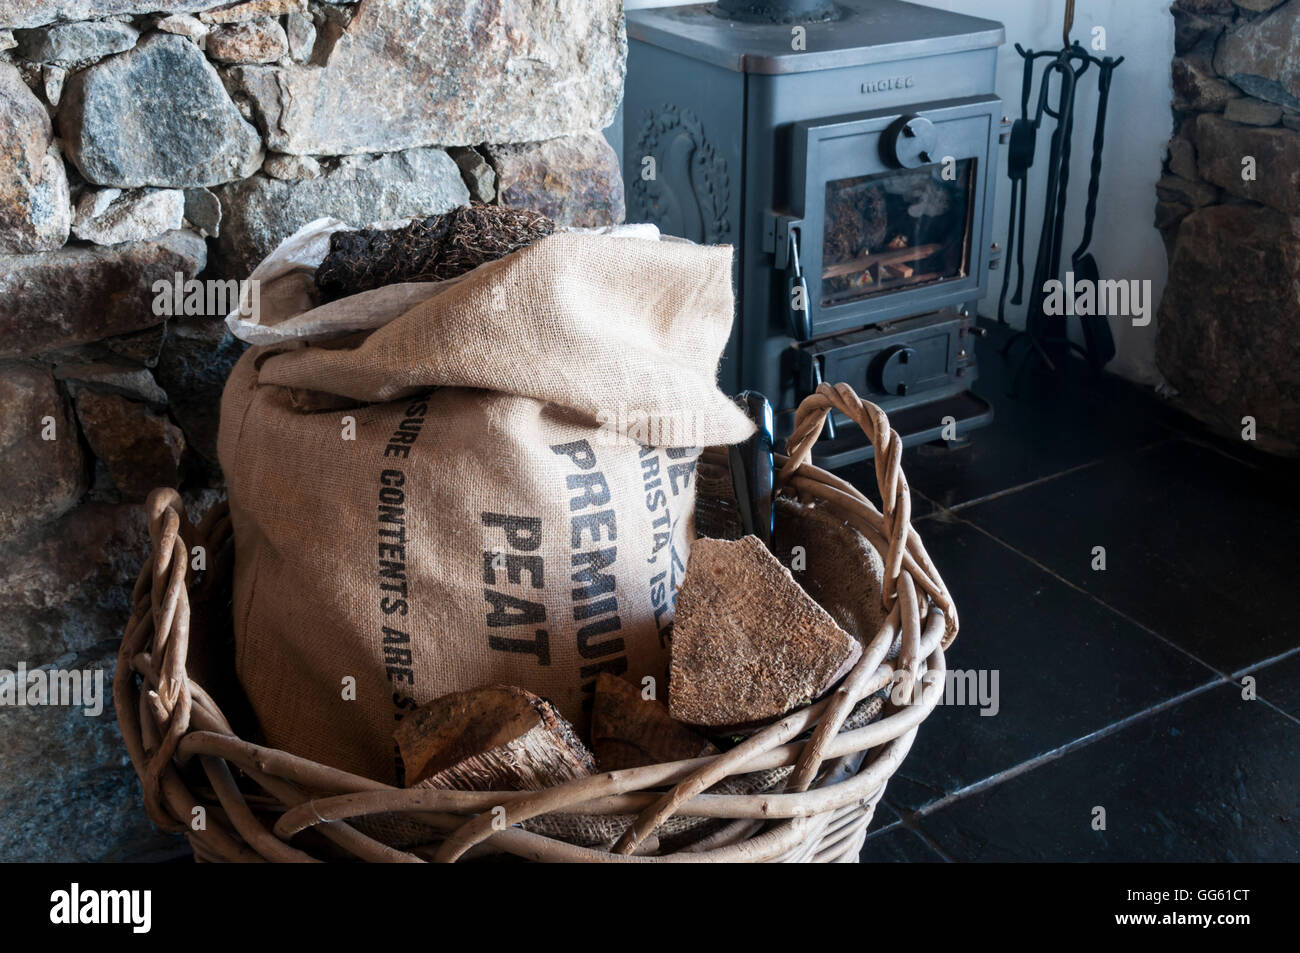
<point>1047,334</point>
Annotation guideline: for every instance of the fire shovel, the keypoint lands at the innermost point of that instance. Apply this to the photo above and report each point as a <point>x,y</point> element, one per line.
<point>1098,340</point>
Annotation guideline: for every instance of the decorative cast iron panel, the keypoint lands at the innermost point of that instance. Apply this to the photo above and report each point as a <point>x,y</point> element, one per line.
<point>687,188</point>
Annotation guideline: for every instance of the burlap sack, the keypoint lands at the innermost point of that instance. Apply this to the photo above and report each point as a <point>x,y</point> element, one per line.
<point>525,523</point>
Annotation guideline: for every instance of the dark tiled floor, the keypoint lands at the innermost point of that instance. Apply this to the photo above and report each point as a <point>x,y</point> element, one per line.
<point>1210,779</point>
<point>900,845</point>
<point>1279,684</point>
<point>1067,665</point>
<point>1052,426</point>
<point>1116,688</point>
<point>1193,540</point>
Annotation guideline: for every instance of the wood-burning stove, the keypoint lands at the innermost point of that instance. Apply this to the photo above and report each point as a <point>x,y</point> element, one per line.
<point>848,149</point>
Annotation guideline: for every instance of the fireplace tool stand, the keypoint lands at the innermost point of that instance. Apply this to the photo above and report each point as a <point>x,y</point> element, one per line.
<point>1047,335</point>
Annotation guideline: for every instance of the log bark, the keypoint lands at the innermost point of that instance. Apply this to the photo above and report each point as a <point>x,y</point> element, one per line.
<point>499,738</point>
<point>748,644</point>
<point>628,731</point>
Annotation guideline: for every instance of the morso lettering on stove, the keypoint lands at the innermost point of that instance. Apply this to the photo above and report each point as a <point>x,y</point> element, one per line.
<point>885,85</point>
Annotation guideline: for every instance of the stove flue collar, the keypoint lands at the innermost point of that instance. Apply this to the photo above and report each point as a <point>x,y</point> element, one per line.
<point>777,11</point>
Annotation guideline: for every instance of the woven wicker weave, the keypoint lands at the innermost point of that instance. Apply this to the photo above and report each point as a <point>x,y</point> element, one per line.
<point>238,801</point>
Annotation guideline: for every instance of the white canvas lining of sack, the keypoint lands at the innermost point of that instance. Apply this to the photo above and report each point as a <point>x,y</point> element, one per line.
<point>284,308</point>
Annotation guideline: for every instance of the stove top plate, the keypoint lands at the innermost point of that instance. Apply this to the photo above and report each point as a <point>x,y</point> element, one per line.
<point>867,32</point>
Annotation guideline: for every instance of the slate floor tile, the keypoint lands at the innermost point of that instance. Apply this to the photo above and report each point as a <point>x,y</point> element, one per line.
<point>1213,778</point>
<point>1279,683</point>
<point>898,845</point>
<point>1065,665</point>
<point>1199,547</point>
<point>884,816</point>
<point>1232,444</point>
<point>1053,424</point>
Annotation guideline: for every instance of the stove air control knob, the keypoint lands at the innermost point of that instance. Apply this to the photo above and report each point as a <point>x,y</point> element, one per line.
<point>894,371</point>
<point>912,142</point>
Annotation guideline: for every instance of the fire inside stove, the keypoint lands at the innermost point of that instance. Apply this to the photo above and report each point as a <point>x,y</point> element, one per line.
<point>895,230</point>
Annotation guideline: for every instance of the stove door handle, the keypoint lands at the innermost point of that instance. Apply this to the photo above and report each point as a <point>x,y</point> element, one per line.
<point>797,293</point>
<point>817,383</point>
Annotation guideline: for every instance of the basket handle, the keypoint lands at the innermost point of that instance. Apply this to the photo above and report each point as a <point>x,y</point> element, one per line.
<point>159,624</point>
<point>896,499</point>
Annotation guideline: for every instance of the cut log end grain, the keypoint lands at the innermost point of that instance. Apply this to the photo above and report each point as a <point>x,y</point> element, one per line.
<point>749,645</point>
<point>628,731</point>
<point>498,738</point>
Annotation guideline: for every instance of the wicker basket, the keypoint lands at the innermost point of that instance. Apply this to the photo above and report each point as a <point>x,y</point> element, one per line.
<point>238,801</point>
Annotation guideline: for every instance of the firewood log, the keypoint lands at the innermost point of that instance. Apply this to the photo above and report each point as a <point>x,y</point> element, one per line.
<point>628,731</point>
<point>499,738</point>
<point>839,567</point>
<point>748,643</point>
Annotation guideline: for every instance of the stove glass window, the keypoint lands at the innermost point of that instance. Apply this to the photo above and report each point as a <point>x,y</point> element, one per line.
<point>896,230</point>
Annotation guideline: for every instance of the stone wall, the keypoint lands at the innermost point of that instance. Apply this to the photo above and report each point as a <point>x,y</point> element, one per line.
<point>1229,207</point>
<point>140,144</point>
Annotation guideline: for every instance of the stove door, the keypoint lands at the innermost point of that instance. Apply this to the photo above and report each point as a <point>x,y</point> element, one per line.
<point>892,212</point>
